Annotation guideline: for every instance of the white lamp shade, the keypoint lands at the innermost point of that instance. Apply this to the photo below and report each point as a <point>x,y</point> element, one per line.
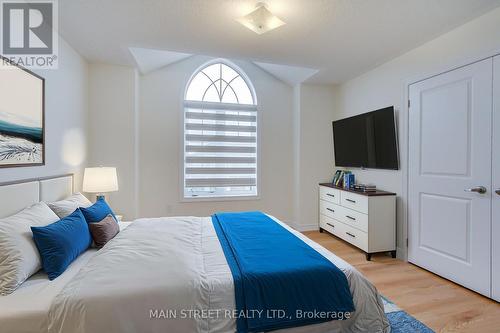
<point>100,180</point>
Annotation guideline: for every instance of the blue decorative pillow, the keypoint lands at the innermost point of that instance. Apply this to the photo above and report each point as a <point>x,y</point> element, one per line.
<point>62,242</point>
<point>97,212</point>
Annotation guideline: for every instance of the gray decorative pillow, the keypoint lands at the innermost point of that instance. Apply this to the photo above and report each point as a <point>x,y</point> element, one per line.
<point>104,230</point>
<point>19,257</point>
<point>67,206</point>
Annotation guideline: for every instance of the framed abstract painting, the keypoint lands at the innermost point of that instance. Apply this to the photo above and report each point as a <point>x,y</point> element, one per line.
<point>22,116</point>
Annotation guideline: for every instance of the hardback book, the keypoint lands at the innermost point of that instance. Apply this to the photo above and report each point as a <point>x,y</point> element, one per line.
<point>365,188</point>
<point>340,181</point>
<point>347,179</point>
<point>336,177</point>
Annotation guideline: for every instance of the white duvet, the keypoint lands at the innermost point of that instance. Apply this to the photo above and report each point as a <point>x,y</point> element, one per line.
<point>171,275</point>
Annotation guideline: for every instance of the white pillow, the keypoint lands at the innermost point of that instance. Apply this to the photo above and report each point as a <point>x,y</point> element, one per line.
<point>67,206</point>
<point>19,257</point>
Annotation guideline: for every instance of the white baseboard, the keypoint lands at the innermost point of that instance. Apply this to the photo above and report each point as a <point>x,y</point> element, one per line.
<point>304,227</point>
<point>401,254</point>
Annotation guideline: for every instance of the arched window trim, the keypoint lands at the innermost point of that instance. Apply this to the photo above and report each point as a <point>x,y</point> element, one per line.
<point>246,109</point>
<point>235,67</point>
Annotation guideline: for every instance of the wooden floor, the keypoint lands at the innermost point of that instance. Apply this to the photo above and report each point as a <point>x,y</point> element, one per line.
<point>440,304</point>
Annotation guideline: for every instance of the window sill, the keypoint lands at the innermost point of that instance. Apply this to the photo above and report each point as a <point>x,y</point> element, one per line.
<point>221,198</point>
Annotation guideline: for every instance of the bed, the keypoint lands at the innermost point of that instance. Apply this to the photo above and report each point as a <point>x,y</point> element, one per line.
<point>150,278</point>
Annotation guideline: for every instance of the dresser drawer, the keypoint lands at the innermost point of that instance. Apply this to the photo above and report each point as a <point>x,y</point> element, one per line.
<point>354,236</point>
<point>354,201</point>
<point>329,194</point>
<point>328,224</point>
<point>352,218</point>
<point>330,209</point>
<point>351,235</point>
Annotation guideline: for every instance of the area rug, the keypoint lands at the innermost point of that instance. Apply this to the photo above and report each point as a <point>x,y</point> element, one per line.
<point>402,322</point>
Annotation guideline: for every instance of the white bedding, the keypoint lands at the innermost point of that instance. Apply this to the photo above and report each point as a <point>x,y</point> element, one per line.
<point>164,264</point>
<point>171,265</point>
<point>25,310</point>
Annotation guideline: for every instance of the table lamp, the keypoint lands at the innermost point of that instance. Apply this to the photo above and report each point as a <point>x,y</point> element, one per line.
<point>100,180</point>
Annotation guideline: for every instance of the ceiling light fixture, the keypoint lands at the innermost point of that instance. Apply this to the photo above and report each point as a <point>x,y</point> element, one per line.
<point>261,20</point>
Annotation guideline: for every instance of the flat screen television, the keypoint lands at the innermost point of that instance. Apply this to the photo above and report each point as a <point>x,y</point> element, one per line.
<point>368,140</point>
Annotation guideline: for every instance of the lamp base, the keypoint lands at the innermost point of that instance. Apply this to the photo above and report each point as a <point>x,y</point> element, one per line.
<point>100,197</point>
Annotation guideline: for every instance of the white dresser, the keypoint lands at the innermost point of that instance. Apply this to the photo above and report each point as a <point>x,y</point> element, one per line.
<point>366,220</point>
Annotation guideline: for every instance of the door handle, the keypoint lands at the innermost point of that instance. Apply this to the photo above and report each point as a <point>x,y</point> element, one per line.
<point>497,191</point>
<point>477,189</point>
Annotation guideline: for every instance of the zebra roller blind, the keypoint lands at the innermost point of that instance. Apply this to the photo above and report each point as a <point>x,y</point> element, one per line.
<point>220,133</point>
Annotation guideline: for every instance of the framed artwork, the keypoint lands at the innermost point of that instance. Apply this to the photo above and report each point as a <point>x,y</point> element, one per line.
<point>22,116</point>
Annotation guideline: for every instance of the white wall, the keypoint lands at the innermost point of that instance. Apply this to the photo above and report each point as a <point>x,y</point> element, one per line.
<point>65,120</point>
<point>296,154</point>
<point>112,130</point>
<point>144,142</point>
<point>313,149</point>
<point>160,150</point>
<point>385,85</point>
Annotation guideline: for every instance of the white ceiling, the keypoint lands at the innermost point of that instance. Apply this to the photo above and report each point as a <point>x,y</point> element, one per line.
<point>289,74</point>
<point>340,38</point>
<point>148,60</point>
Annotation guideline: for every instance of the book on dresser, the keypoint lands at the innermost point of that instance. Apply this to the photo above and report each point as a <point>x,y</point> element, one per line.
<point>366,220</point>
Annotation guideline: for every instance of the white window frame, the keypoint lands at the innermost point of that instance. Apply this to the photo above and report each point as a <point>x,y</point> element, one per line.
<point>184,102</point>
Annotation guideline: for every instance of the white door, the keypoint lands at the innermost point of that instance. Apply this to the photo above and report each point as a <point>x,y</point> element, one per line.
<point>495,221</point>
<point>449,153</point>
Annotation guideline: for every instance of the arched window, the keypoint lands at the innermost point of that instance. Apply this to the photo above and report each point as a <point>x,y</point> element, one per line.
<point>220,133</point>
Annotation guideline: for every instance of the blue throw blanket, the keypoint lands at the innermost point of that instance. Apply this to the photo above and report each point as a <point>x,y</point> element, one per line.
<point>279,281</point>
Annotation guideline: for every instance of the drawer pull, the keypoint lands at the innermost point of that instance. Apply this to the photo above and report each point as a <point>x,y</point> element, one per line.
<point>350,217</point>
<point>331,210</point>
<point>351,234</point>
<point>331,195</point>
<point>350,200</point>
<point>331,225</point>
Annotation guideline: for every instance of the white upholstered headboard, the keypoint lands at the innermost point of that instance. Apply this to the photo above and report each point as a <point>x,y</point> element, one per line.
<point>15,196</point>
